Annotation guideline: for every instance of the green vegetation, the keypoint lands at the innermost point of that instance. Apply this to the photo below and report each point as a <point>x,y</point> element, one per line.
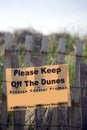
<point>19,40</point>
<point>31,126</point>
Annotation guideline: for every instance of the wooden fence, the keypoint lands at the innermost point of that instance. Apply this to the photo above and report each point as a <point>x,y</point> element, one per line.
<point>62,118</point>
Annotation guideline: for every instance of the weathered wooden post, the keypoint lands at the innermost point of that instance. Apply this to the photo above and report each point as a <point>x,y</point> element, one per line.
<point>28,49</point>
<point>27,60</point>
<point>15,64</point>
<point>39,113</point>
<point>44,49</point>
<point>83,83</point>
<point>58,117</point>
<point>7,64</point>
<point>76,93</point>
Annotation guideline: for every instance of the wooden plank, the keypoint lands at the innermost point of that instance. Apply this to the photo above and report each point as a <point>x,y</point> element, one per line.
<point>28,49</point>
<point>58,117</point>
<point>39,113</point>
<point>15,64</point>
<point>76,93</point>
<point>27,59</point>
<point>77,64</point>
<point>61,50</point>
<point>83,83</point>
<point>44,50</point>
<point>7,63</point>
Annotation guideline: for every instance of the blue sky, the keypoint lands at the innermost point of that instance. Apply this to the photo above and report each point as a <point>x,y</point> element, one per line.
<point>46,16</point>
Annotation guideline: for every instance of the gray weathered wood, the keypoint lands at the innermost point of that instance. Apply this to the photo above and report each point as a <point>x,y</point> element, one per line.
<point>7,64</point>
<point>39,113</point>
<point>7,58</point>
<point>44,50</point>
<point>15,64</point>
<point>27,59</point>
<point>57,113</point>
<point>28,49</point>
<point>83,83</point>
<point>76,95</point>
<point>77,64</point>
<point>61,50</point>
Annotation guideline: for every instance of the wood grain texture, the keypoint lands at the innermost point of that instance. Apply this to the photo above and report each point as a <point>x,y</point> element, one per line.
<point>59,112</point>
<point>7,64</point>
<point>76,95</point>
<point>39,113</point>
<point>27,60</point>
